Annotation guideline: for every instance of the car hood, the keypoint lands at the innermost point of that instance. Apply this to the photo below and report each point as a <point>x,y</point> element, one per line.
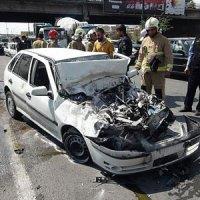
<point>91,76</point>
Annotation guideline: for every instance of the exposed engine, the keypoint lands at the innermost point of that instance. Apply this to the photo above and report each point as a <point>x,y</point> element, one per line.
<point>133,116</point>
<point>130,119</point>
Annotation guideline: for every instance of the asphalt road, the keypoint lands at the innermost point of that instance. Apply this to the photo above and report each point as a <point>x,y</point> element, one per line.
<point>34,166</point>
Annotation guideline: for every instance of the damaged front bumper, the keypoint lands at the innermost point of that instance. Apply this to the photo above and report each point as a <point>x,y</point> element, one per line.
<point>164,153</point>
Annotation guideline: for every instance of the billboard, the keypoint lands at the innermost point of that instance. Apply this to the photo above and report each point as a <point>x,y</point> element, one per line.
<point>150,6</point>
<point>175,7</point>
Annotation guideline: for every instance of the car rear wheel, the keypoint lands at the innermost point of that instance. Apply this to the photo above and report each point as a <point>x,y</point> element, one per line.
<point>75,146</point>
<point>11,107</point>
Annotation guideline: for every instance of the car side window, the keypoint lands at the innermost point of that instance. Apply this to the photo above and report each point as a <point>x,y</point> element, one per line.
<point>22,66</point>
<point>39,76</point>
<point>12,63</point>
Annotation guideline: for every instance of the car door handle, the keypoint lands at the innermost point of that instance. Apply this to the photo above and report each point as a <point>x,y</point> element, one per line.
<point>28,95</point>
<point>10,81</point>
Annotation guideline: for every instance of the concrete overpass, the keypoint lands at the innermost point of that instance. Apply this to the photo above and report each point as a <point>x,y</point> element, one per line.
<point>90,10</point>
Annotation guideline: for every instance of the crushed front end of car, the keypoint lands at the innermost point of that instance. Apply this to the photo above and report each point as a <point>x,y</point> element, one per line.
<point>125,129</point>
<point>137,132</point>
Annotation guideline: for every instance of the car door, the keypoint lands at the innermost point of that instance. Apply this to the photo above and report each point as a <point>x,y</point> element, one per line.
<point>180,59</point>
<point>41,108</point>
<point>18,80</point>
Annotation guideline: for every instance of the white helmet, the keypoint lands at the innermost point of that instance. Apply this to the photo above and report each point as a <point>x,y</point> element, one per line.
<point>152,22</point>
<point>90,32</point>
<point>143,33</point>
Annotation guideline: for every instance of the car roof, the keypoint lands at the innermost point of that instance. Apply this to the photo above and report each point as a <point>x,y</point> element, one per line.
<point>58,54</point>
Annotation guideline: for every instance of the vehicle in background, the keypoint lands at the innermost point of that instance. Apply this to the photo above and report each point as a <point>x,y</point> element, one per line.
<point>10,49</point>
<point>88,27</point>
<point>46,27</point>
<point>62,35</point>
<point>180,48</point>
<point>1,48</point>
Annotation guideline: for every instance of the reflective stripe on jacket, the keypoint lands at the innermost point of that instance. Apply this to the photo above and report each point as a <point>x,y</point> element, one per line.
<point>158,47</point>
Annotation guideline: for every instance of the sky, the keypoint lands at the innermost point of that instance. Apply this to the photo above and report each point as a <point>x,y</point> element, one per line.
<point>14,28</point>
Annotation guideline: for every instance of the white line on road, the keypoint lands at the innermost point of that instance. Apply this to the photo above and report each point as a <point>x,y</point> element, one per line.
<point>21,179</point>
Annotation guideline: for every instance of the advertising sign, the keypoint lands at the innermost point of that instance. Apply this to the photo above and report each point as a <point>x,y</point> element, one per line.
<point>175,7</point>
<point>132,6</point>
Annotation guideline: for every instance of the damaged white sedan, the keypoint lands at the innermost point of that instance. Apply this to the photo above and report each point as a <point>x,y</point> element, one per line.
<point>87,101</point>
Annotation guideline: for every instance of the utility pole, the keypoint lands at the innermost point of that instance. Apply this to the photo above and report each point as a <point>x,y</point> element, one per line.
<point>6,30</point>
<point>28,29</point>
<point>142,16</point>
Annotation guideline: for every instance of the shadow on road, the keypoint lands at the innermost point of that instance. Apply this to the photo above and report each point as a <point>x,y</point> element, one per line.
<point>174,101</point>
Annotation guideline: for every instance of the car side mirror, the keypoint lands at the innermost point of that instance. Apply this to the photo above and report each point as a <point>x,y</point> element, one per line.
<point>39,91</point>
<point>132,73</point>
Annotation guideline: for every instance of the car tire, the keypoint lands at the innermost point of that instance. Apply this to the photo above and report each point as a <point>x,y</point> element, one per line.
<point>76,146</point>
<point>11,106</point>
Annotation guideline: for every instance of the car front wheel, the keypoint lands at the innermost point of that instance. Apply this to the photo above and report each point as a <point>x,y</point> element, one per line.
<point>75,146</point>
<point>11,107</point>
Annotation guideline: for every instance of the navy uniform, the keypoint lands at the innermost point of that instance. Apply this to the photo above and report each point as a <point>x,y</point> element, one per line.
<point>125,46</point>
<point>193,69</point>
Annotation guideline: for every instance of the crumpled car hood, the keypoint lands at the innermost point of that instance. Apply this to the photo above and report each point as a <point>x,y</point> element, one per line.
<point>91,76</point>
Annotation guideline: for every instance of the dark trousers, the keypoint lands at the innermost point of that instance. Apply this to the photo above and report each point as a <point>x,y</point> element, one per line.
<point>193,83</point>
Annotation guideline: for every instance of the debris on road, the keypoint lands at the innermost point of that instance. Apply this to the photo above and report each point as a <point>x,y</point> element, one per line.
<point>102,179</point>
<point>19,151</point>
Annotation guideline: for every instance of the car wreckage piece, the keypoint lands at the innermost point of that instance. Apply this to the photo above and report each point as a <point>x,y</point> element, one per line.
<point>125,129</point>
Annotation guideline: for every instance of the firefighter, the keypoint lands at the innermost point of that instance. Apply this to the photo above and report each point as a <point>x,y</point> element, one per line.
<point>77,38</point>
<point>155,59</point>
<point>91,37</point>
<point>53,36</point>
<point>125,43</point>
<point>193,72</point>
<point>102,44</point>
<point>40,42</point>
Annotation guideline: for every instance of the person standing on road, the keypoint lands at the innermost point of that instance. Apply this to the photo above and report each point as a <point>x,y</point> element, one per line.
<point>102,44</point>
<point>18,41</point>
<point>76,43</point>
<point>155,59</point>
<point>40,42</point>
<point>125,43</point>
<point>24,43</point>
<point>91,37</point>
<point>53,36</point>
<point>193,71</point>
<point>77,39</point>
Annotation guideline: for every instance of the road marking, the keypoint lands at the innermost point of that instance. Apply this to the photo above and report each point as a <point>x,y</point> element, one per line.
<point>21,179</point>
